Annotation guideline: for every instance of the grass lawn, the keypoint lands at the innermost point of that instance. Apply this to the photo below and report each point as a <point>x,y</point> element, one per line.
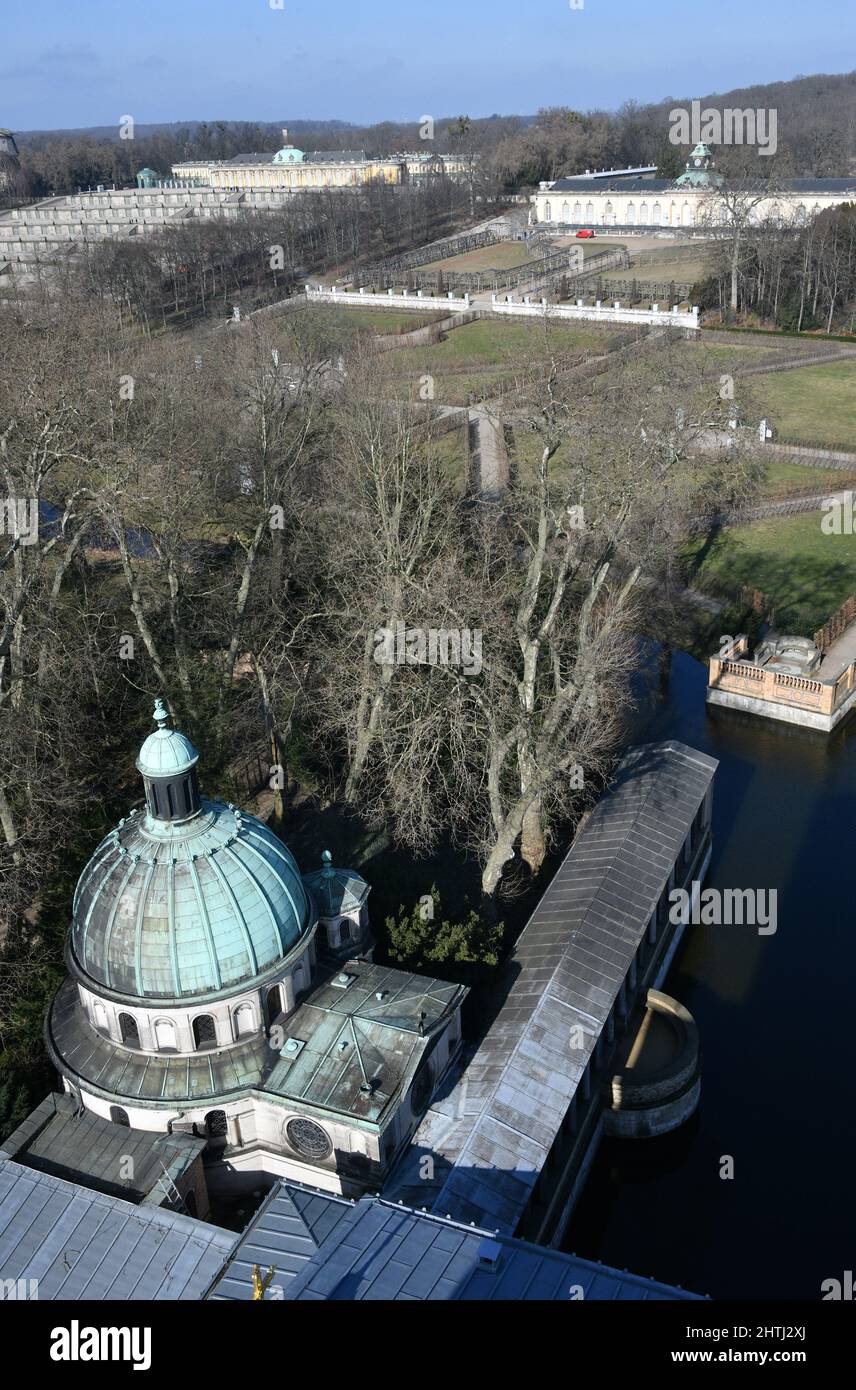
<point>493,341</point>
<point>505,255</point>
<point>452,388</point>
<point>806,573</point>
<point>781,471</point>
<point>388,320</point>
<point>813,403</point>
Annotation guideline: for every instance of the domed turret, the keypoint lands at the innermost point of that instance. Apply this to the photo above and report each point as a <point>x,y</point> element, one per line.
<point>168,761</point>
<point>192,897</point>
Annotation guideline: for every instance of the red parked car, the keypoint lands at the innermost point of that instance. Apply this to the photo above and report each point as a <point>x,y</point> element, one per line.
<point>586,233</point>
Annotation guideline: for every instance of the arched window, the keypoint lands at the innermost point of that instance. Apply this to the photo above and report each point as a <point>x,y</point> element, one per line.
<point>165,1036</point>
<point>566,212</point>
<point>298,981</point>
<point>216,1125</point>
<point>548,212</point>
<point>119,1116</point>
<point>578,212</point>
<point>644,216</point>
<point>657,214</point>
<point>129,1030</point>
<point>204,1032</point>
<point>687,215</point>
<point>244,1020</point>
<point>274,1003</point>
<point>100,1017</point>
<point>802,214</point>
<point>589,212</point>
<point>609,215</point>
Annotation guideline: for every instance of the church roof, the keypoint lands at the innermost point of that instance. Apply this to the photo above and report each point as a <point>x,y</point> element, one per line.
<point>336,890</point>
<point>177,908</point>
<point>78,1145</point>
<point>166,751</point>
<point>385,1018</point>
<point>491,1134</point>
<point>80,1244</point>
<point>324,1248</point>
<point>170,910</point>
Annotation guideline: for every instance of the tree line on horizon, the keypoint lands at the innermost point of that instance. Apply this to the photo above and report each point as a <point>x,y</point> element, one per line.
<point>816,134</point>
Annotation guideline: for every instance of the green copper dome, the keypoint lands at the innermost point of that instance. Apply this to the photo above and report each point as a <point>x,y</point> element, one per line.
<point>166,752</point>
<point>168,908</point>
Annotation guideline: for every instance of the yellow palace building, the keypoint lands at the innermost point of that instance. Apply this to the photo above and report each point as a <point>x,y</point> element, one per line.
<point>297,171</point>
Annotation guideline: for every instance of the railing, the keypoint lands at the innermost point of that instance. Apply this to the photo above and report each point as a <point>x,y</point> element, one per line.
<point>778,687</point>
<point>834,626</point>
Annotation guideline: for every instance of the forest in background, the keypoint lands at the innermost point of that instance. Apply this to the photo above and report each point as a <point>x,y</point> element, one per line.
<point>816,135</point>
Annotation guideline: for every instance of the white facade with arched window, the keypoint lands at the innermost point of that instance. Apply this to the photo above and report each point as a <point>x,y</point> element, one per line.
<point>672,206</point>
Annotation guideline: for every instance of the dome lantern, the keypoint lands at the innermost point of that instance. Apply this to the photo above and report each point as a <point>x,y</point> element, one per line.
<point>168,761</point>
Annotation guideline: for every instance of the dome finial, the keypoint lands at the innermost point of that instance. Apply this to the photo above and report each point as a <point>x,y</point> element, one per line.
<point>327,861</point>
<point>161,713</point>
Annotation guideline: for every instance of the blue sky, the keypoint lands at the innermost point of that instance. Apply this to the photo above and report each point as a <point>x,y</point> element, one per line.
<point>66,63</point>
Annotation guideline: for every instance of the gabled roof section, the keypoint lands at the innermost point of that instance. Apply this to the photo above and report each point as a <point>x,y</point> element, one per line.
<point>80,1244</point>
<point>288,1230</point>
<point>81,1147</point>
<point>381,1251</point>
<point>491,1133</point>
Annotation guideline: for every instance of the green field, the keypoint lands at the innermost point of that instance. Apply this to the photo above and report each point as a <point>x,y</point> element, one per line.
<point>782,471</point>
<point>812,403</point>
<point>806,573</point>
<point>389,320</point>
<point>505,255</point>
<point>501,343</point>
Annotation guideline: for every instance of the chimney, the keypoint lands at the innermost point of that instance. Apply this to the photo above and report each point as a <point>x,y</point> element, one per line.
<point>285,133</point>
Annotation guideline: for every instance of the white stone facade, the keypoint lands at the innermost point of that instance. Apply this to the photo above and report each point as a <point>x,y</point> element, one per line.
<point>675,208</point>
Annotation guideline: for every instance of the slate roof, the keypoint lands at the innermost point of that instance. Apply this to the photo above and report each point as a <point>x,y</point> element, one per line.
<point>80,1244</point>
<point>621,184</point>
<point>624,184</point>
<point>288,1230</point>
<point>381,1251</point>
<point>491,1132</point>
<point>80,1146</point>
<point>309,157</point>
<point>385,1040</point>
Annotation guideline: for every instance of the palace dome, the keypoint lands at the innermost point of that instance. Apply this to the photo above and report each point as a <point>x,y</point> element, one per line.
<point>173,904</point>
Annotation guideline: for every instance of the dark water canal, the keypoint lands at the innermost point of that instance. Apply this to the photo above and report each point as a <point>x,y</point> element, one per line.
<point>777,1016</point>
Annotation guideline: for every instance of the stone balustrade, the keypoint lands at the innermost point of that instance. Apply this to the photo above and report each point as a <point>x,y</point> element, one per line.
<point>508,305</point>
<point>764,690</point>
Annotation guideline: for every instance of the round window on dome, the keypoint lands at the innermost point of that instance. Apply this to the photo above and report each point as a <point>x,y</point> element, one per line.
<point>309,1140</point>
